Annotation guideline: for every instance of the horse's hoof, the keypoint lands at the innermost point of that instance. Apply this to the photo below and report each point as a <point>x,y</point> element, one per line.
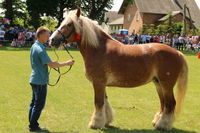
<point>107,125</point>
<point>163,127</point>
<point>156,119</point>
<point>165,122</point>
<point>92,125</point>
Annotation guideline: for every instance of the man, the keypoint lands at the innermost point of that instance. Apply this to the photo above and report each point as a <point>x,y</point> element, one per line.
<point>39,76</point>
<point>2,34</point>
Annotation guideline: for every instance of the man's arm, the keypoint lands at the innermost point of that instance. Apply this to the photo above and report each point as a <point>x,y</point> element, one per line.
<point>57,64</point>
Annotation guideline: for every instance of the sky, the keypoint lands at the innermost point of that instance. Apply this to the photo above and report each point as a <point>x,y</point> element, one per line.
<point>198,2</point>
<point>117,4</point>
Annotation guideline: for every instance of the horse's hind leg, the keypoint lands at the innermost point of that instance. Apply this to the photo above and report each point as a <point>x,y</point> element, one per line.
<point>161,97</point>
<point>167,117</point>
<point>109,111</point>
<point>98,119</point>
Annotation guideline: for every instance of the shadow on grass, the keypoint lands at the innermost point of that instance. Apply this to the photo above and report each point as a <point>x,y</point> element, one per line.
<point>47,131</point>
<point>113,129</point>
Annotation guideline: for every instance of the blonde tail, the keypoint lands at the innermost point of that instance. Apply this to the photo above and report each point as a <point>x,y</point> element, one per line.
<point>182,86</point>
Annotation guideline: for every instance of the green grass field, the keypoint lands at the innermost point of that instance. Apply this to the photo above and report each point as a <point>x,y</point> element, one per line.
<point>70,104</point>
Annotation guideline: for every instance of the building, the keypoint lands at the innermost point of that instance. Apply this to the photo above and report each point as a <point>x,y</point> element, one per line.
<point>114,21</point>
<point>139,12</point>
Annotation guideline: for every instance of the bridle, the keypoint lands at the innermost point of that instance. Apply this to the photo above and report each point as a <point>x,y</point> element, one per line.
<point>65,41</point>
<point>64,38</point>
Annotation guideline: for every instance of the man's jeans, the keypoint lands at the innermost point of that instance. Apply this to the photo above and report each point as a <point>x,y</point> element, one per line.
<point>37,104</point>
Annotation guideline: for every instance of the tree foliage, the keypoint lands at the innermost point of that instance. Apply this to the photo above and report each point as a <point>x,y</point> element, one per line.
<point>168,27</point>
<point>14,9</point>
<point>94,9</point>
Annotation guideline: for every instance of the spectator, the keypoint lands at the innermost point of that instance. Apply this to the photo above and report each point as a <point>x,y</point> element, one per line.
<point>21,39</point>
<point>181,41</point>
<point>14,43</point>
<point>175,41</point>
<point>2,33</point>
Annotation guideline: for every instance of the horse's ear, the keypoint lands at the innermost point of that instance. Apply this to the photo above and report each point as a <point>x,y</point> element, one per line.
<point>66,11</point>
<point>78,13</point>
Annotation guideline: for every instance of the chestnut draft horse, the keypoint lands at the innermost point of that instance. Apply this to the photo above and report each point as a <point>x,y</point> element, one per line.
<point>111,63</point>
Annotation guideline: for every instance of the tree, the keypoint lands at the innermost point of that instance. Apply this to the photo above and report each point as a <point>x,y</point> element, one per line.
<point>53,8</point>
<point>144,29</point>
<point>161,29</point>
<point>94,9</point>
<point>170,25</point>
<point>49,22</point>
<point>62,5</point>
<point>14,9</point>
<point>37,9</point>
<point>8,6</point>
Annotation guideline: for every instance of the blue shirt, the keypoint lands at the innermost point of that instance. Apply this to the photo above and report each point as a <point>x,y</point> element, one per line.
<point>39,60</point>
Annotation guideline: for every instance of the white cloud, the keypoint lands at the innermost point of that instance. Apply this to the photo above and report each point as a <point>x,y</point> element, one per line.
<point>198,2</point>
<point>117,5</point>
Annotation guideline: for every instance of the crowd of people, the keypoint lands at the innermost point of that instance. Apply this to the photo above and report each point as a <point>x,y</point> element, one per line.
<point>16,35</point>
<point>177,41</point>
<point>19,36</point>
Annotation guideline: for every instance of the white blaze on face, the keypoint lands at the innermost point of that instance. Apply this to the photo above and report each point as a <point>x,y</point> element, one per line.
<point>55,33</point>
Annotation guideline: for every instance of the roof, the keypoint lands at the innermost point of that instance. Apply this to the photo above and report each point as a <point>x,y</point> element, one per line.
<point>152,6</point>
<point>156,6</point>
<point>174,13</point>
<point>164,7</point>
<point>194,10</point>
<point>117,21</point>
<point>112,16</point>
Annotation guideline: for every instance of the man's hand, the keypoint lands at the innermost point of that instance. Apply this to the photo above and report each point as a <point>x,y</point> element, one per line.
<point>70,62</point>
<point>57,64</point>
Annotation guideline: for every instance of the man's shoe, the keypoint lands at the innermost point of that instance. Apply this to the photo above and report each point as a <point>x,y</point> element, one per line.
<point>38,129</point>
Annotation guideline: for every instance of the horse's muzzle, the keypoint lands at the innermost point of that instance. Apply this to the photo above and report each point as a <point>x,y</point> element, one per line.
<point>55,42</point>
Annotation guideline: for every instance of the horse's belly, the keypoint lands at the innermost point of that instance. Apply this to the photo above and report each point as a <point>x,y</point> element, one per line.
<point>120,81</point>
<point>127,84</point>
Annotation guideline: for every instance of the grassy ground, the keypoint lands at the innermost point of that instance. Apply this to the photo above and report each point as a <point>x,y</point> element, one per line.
<point>70,104</point>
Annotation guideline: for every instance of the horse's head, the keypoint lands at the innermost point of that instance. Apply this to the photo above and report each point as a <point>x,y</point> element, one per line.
<point>67,32</point>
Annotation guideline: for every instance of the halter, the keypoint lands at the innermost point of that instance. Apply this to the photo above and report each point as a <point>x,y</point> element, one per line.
<point>63,40</point>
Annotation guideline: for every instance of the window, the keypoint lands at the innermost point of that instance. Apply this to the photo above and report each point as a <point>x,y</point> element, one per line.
<point>129,17</point>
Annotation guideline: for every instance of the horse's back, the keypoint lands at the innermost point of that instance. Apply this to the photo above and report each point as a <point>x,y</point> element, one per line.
<point>134,65</point>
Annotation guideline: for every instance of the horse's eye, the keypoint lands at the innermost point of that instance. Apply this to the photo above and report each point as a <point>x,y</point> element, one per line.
<point>69,25</point>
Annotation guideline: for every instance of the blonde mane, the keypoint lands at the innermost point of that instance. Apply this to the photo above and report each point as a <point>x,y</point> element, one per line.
<point>87,28</point>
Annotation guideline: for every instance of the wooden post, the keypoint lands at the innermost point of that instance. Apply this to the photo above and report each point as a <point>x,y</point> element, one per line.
<point>184,21</point>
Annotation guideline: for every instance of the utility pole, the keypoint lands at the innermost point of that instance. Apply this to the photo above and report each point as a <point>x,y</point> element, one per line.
<point>184,21</point>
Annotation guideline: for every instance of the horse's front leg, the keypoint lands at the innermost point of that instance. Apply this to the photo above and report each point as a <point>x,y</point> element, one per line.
<point>98,119</point>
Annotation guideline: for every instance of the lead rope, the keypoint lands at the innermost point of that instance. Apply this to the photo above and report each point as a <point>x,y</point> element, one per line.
<point>58,69</point>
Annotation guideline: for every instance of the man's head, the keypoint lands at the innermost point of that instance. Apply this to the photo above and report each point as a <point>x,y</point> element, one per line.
<point>42,34</point>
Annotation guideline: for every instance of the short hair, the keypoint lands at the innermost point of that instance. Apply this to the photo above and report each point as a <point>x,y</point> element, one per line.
<point>41,30</point>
